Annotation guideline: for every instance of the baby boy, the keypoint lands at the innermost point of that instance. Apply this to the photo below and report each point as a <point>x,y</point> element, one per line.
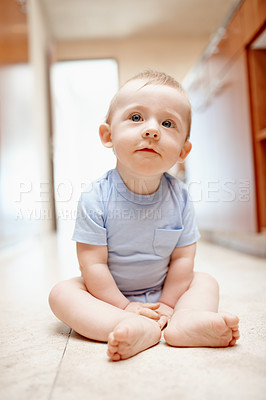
<point>136,235</point>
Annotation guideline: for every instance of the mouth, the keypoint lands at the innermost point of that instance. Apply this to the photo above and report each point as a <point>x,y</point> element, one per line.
<point>146,149</point>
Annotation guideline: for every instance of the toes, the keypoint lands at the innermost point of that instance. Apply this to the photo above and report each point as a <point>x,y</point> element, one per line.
<point>113,356</point>
<point>116,357</point>
<point>117,343</point>
<point>232,342</point>
<point>111,349</point>
<point>112,346</point>
<point>236,334</point>
<point>231,320</point>
<point>112,340</point>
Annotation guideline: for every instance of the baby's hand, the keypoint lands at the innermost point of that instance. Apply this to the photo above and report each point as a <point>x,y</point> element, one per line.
<point>145,309</point>
<point>165,310</point>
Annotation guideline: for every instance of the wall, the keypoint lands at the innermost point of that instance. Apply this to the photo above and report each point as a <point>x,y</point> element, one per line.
<point>221,165</point>
<point>40,46</point>
<point>174,56</point>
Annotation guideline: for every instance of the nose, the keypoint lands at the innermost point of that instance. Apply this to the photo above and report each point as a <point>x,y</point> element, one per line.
<point>151,132</point>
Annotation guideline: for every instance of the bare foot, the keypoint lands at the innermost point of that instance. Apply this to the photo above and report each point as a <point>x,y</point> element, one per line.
<point>131,336</point>
<point>202,329</point>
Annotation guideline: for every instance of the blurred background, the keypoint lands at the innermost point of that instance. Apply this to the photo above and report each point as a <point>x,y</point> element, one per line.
<point>63,60</point>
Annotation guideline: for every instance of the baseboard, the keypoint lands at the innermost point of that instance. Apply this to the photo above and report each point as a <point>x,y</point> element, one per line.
<point>250,243</point>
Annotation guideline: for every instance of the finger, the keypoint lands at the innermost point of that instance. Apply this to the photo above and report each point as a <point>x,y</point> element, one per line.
<point>146,312</point>
<point>162,314</point>
<point>162,322</point>
<point>151,306</point>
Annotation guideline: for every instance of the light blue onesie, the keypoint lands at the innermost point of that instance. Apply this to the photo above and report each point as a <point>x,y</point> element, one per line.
<point>140,231</point>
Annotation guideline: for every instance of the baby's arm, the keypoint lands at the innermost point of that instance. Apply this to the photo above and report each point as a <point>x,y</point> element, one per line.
<point>179,275</point>
<point>100,283</point>
<point>97,276</point>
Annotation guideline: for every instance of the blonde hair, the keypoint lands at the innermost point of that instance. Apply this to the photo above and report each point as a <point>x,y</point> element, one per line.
<point>153,78</point>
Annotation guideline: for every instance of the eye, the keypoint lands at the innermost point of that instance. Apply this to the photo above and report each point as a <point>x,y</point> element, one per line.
<point>168,124</point>
<point>136,118</point>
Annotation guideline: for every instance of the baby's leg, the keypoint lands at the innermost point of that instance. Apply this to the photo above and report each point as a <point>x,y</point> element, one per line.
<point>130,333</point>
<point>196,321</point>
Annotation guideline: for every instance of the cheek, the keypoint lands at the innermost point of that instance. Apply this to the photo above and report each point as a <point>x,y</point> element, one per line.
<point>173,151</point>
<point>121,147</point>
<point>124,140</point>
<point>172,144</point>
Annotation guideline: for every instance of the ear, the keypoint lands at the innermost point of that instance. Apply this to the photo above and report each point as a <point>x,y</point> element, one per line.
<point>105,135</point>
<point>185,151</point>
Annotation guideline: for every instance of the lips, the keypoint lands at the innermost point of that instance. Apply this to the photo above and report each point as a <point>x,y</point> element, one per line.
<point>148,150</point>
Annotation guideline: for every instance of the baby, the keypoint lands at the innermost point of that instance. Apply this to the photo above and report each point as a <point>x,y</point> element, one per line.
<point>136,235</point>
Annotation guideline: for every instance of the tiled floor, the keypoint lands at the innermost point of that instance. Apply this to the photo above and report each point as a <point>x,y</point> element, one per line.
<point>41,358</point>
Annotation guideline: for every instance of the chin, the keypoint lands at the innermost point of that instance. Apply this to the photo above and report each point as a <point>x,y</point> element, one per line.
<point>149,171</point>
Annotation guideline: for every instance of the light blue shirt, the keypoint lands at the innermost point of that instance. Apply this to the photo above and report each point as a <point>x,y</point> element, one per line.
<point>140,231</point>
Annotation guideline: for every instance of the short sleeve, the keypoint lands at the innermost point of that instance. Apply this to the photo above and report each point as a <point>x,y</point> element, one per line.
<point>89,226</point>
<point>190,233</point>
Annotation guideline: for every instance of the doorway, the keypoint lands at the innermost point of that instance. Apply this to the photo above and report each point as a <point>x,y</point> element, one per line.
<point>81,93</point>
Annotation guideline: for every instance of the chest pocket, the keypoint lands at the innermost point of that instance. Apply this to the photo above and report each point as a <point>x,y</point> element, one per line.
<point>165,241</point>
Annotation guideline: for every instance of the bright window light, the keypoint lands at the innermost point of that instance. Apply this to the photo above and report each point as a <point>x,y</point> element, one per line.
<point>81,91</point>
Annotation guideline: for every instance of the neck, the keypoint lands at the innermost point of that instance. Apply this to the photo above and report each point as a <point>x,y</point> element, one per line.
<point>138,184</point>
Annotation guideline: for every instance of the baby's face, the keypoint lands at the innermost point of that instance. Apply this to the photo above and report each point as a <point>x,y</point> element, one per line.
<point>149,128</point>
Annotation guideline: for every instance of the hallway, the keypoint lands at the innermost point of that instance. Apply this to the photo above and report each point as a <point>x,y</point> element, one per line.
<point>43,359</point>
<point>217,50</point>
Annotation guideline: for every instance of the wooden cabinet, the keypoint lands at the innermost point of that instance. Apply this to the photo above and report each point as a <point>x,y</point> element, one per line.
<point>253,14</point>
<point>257,84</point>
<point>13,33</point>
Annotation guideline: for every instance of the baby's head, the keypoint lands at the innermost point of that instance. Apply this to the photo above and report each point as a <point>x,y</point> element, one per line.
<point>150,77</point>
<point>148,124</point>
